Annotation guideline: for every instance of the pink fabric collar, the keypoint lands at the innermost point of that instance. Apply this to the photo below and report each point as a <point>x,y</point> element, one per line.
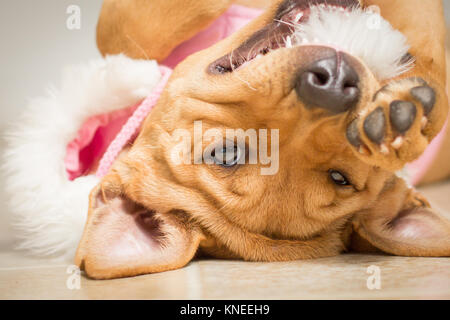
<point>131,127</point>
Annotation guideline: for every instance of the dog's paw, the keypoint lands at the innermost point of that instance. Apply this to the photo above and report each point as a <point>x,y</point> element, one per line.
<point>392,130</point>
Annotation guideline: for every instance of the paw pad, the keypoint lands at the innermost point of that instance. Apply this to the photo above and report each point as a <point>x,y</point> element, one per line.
<point>389,132</point>
<point>426,96</point>
<point>375,125</point>
<point>402,115</point>
<point>353,133</point>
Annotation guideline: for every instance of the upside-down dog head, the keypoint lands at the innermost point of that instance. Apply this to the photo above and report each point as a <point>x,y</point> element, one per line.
<point>185,186</point>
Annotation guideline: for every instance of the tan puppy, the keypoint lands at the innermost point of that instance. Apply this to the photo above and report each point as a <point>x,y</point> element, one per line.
<point>339,147</point>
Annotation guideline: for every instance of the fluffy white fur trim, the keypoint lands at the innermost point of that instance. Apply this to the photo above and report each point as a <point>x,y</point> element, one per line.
<point>362,33</point>
<point>49,210</point>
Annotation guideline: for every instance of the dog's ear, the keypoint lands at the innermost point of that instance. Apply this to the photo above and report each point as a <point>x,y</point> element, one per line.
<point>151,29</point>
<point>121,238</point>
<point>408,227</point>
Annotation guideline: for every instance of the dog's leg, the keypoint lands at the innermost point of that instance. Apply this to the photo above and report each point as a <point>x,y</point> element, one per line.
<point>440,168</point>
<point>151,29</point>
<point>407,113</point>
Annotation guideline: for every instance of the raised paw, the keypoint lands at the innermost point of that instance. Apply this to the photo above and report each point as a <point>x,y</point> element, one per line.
<point>392,130</point>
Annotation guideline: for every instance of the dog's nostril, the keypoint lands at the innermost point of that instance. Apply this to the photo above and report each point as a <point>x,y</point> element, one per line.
<point>329,84</point>
<point>350,85</point>
<point>319,78</point>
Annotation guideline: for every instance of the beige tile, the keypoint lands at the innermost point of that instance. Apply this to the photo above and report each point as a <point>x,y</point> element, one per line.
<point>342,277</point>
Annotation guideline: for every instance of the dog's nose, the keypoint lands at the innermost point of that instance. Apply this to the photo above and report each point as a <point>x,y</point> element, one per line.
<point>330,83</point>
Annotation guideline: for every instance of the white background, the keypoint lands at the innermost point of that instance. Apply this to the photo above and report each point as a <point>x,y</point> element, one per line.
<point>35,46</point>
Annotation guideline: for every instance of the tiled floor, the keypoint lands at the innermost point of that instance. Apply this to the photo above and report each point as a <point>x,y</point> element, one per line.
<point>340,277</point>
<point>343,277</point>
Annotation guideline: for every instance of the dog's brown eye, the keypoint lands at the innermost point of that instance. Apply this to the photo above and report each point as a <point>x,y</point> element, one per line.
<point>338,178</point>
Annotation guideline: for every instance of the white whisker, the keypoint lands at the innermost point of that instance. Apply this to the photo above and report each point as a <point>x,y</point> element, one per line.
<point>139,47</point>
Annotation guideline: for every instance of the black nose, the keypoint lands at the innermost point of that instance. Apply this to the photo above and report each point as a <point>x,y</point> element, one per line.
<point>330,83</point>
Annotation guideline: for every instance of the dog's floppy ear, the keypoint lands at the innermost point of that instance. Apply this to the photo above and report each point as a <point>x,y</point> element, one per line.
<point>403,224</point>
<point>151,29</point>
<point>122,238</point>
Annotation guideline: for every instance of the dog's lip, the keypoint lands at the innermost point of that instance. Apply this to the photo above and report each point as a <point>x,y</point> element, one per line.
<point>275,35</point>
<point>288,6</point>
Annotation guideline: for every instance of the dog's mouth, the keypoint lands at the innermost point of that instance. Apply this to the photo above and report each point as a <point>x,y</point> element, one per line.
<point>279,33</point>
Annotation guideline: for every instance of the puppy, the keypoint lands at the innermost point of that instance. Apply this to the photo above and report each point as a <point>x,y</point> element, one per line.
<point>342,135</point>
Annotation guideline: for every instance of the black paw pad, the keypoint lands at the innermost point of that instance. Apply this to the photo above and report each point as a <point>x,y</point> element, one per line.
<point>375,125</point>
<point>353,133</point>
<point>426,96</point>
<point>402,115</point>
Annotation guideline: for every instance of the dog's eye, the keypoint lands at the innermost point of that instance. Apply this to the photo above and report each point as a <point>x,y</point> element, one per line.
<point>227,157</point>
<point>338,178</point>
